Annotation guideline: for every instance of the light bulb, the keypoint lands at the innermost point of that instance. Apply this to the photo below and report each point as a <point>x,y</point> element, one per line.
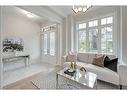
<point>84,9</point>
<point>79,9</point>
<point>88,6</point>
<point>76,10</point>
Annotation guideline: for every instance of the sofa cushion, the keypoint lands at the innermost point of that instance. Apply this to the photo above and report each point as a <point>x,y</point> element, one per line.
<point>111,64</point>
<point>99,61</point>
<point>111,56</point>
<point>91,57</point>
<point>81,64</point>
<point>106,59</point>
<point>83,57</point>
<point>104,74</point>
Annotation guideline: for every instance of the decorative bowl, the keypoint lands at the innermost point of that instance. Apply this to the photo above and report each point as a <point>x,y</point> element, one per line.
<point>70,70</point>
<point>82,71</point>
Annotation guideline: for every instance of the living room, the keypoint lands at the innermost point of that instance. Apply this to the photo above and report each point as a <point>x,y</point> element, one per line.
<point>49,34</point>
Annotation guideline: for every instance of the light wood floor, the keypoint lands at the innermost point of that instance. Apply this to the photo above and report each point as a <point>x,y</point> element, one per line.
<point>25,82</point>
<point>22,84</point>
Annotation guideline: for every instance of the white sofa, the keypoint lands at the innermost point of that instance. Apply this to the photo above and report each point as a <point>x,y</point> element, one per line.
<point>104,74</point>
<point>122,71</point>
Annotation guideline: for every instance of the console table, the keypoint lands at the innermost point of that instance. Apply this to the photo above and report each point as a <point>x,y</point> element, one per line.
<point>16,58</point>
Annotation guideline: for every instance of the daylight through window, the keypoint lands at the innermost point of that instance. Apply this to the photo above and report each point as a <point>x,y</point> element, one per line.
<point>96,36</point>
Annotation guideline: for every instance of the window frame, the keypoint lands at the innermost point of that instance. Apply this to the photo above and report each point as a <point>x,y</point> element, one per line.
<point>99,27</point>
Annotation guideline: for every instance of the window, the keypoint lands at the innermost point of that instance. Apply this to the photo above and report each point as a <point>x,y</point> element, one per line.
<point>107,20</point>
<point>82,41</point>
<point>45,44</point>
<point>83,25</point>
<point>93,40</point>
<point>52,43</point>
<point>96,37</point>
<point>106,40</point>
<point>93,23</point>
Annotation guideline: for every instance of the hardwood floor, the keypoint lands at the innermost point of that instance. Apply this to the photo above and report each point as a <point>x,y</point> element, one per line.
<point>22,77</point>
<point>22,84</point>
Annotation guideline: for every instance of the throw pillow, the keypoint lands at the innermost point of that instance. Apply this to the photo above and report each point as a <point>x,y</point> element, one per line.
<point>71,57</point>
<point>99,61</point>
<point>106,59</point>
<point>111,64</point>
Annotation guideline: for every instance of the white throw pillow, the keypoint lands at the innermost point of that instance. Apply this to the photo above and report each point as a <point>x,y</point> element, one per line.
<point>71,57</point>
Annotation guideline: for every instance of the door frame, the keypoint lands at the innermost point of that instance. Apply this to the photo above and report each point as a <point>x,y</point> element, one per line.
<point>52,58</point>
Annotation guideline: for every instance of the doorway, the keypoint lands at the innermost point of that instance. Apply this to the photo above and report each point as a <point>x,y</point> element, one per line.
<point>49,45</point>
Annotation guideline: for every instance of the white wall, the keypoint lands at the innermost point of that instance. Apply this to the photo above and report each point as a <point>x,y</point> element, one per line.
<point>64,37</point>
<point>68,34</point>
<point>14,24</point>
<point>124,34</point>
<point>1,64</point>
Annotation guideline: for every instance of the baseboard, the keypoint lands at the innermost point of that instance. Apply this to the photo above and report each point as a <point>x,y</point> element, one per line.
<point>33,61</point>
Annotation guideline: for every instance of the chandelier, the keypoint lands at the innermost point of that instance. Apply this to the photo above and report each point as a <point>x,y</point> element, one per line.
<point>83,9</point>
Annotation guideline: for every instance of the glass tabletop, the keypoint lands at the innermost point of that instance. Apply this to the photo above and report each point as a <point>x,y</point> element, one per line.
<point>88,79</point>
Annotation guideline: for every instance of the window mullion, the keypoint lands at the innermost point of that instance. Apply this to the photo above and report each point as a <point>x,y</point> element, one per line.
<point>99,36</point>
<point>87,37</point>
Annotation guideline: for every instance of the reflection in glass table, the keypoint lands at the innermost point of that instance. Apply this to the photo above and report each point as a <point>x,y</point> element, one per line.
<point>89,79</point>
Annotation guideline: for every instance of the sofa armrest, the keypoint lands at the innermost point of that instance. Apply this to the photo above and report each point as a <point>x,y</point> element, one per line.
<point>122,71</point>
<point>120,65</point>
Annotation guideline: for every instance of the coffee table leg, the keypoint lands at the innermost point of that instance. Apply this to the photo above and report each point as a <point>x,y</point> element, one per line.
<point>56,81</point>
<point>96,83</point>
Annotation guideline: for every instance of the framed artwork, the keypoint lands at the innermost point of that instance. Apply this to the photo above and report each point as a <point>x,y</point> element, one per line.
<point>12,44</point>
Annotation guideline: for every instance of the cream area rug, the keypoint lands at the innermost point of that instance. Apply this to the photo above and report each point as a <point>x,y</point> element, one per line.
<point>47,81</point>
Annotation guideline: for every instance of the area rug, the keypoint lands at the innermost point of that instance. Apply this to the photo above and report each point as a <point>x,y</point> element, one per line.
<point>47,81</point>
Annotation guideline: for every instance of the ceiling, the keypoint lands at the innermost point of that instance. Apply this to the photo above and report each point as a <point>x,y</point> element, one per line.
<point>12,10</point>
<point>63,11</point>
<point>50,13</point>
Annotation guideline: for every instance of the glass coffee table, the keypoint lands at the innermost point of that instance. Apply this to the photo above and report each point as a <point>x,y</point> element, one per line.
<point>88,80</point>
